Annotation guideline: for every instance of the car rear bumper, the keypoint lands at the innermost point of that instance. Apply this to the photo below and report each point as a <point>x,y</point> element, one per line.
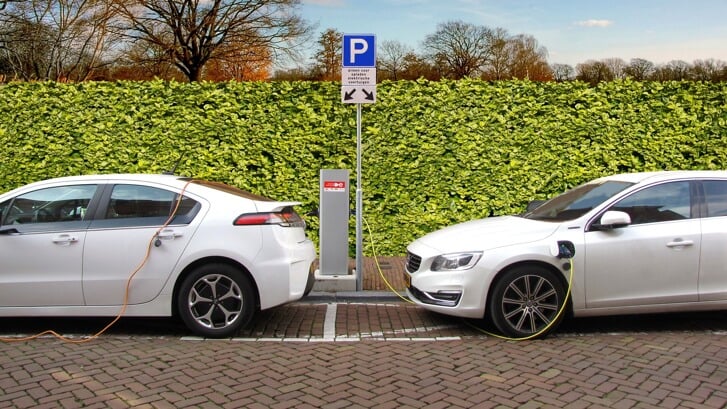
<point>291,266</point>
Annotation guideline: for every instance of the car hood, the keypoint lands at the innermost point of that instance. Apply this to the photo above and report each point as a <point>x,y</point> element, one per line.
<point>486,234</point>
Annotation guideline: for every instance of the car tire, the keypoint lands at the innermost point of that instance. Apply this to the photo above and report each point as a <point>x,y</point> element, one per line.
<point>216,300</point>
<point>309,283</point>
<point>526,301</point>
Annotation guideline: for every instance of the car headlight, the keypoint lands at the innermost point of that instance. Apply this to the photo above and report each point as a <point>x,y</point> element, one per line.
<point>456,261</point>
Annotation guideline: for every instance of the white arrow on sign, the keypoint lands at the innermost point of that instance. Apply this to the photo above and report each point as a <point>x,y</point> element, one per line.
<point>358,94</point>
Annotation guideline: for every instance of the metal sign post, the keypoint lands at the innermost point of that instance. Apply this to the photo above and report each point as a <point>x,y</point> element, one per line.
<point>358,86</point>
<point>359,204</point>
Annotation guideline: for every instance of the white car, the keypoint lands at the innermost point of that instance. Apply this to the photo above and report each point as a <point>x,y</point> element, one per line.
<point>68,247</point>
<point>637,243</point>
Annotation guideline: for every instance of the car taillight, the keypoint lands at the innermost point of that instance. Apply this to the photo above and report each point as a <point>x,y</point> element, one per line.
<point>286,218</point>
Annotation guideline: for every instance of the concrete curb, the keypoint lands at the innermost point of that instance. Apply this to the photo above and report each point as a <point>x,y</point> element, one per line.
<point>352,296</point>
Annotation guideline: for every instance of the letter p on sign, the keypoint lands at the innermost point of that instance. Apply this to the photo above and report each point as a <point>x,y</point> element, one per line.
<point>359,46</point>
<point>359,50</point>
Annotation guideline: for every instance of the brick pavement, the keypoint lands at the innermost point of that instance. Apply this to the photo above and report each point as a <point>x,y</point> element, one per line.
<point>355,320</point>
<point>390,267</point>
<point>667,370</point>
<point>369,355</point>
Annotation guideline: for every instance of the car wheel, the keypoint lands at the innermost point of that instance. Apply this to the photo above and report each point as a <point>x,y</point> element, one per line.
<point>526,300</point>
<point>216,300</point>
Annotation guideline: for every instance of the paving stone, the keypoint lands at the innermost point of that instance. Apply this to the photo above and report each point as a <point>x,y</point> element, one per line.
<point>384,354</point>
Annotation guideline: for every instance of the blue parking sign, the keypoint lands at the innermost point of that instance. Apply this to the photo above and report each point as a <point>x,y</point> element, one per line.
<point>359,50</point>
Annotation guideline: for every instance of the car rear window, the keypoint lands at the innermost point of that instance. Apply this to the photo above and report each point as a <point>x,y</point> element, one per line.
<point>232,190</point>
<point>133,201</point>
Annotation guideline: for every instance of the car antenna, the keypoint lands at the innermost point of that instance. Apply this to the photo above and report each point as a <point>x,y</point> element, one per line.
<point>174,168</point>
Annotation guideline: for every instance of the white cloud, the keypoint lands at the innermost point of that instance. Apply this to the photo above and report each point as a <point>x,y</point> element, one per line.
<point>594,23</point>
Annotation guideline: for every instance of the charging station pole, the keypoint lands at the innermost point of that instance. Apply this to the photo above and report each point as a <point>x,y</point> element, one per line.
<point>359,204</point>
<point>358,86</point>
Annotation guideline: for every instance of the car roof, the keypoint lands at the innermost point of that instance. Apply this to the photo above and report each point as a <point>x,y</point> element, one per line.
<point>140,177</point>
<point>171,180</point>
<point>176,181</point>
<point>658,176</point>
<point>120,176</point>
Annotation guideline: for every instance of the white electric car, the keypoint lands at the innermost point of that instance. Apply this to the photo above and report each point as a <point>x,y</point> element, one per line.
<point>69,246</point>
<point>636,243</point>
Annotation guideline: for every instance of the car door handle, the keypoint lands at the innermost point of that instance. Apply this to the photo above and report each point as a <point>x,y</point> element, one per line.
<point>168,234</point>
<point>680,243</point>
<point>65,239</point>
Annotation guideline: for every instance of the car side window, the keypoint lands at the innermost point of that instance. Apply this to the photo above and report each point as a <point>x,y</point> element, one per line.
<point>660,203</point>
<point>135,201</point>
<point>49,205</point>
<point>715,193</point>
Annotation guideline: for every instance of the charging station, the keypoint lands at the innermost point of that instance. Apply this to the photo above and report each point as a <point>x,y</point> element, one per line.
<point>334,211</point>
<point>358,86</point>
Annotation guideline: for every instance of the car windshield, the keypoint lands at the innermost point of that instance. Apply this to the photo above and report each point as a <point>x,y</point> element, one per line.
<point>576,202</point>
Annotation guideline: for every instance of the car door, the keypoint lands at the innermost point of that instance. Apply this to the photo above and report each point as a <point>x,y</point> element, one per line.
<point>41,246</point>
<point>713,265</point>
<point>119,238</point>
<point>655,259</point>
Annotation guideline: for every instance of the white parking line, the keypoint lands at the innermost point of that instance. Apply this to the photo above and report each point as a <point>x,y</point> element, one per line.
<point>329,325</point>
<point>329,333</point>
<point>319,339</point>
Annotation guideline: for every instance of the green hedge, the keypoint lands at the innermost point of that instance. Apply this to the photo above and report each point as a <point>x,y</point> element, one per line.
<point>434,152</point>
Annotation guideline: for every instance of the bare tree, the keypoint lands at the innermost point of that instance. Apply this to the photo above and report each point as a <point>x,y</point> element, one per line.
<point>464,47</point>
<point>563,72</point>
<point>594,72</point>
<point>639,69</point>
<point>391,57</point>
<point>193,32</point>
<point>144,62</point>
<point>529,59</point>
<point>25,47</point>
<point>498,67</point>
<point>616,66</point>
<point>416,67</point>
<point>328,57</point>
<point>240,64</point>
<point>708,70</point>
<point>676,70</point>
<point>59,39</point>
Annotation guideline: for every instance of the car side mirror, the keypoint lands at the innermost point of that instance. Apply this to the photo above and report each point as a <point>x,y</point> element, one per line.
<point>613,219</point>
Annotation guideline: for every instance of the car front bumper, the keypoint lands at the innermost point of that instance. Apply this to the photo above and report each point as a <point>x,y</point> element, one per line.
<point>457,293</point>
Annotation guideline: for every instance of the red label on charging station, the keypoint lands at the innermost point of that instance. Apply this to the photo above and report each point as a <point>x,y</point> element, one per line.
<point>334,185</point>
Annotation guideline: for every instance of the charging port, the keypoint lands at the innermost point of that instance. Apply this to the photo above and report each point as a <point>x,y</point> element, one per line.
<point>566,249</point>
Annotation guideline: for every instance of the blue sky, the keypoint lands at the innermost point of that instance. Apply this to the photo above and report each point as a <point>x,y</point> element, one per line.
<point>572,31</point>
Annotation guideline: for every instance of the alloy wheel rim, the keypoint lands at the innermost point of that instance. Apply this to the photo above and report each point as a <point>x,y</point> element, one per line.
<point>530,303</point>
<point>215,301</point>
